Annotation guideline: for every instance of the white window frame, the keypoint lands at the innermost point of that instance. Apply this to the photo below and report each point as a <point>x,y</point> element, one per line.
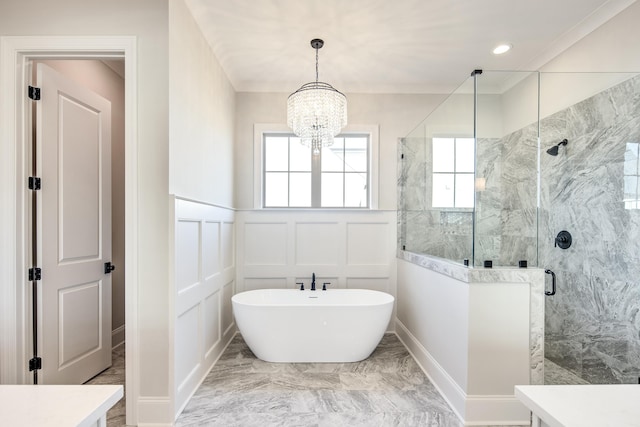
<point>455,175</point>
<point>259,129</point>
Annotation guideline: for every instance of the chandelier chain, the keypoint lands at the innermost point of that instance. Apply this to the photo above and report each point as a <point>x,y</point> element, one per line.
<point>317,65</point>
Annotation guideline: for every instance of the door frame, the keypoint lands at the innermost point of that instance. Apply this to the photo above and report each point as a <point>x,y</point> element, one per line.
<point>15,54</point>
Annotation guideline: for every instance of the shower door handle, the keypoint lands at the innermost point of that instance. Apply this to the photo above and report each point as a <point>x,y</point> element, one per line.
<point>553,283</point>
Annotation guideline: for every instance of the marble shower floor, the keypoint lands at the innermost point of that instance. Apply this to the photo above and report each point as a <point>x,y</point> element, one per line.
<point>387,389</point>
<point>116,416</point>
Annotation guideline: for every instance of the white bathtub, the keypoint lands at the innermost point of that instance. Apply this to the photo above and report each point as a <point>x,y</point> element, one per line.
<point>337,325</point>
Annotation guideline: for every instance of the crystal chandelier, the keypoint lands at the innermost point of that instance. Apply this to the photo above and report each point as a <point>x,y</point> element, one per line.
<point>317,111</point>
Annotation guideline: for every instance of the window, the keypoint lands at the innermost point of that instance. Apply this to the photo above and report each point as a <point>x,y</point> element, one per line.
<point>339,177</point>
<point>453,173</point>
<point>632,176</point>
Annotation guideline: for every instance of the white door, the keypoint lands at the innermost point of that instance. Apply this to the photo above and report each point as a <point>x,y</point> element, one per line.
<point>73,158</point>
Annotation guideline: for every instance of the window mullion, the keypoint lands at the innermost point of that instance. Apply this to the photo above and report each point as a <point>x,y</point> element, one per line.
<point>316,180</point>
<point>289,172</point>
<point>455,172</point>
<point>344,172</point>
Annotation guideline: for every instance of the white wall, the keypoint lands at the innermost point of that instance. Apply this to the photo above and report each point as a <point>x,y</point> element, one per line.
<point>434,309</point>
<point>147,20</point>
<point>396,116</point>
<point>201,130</point>
<point>201,108</point>
<point>100,78</point>
<point>348,249</point>
<point>471,338</point>
<point>203,284</point>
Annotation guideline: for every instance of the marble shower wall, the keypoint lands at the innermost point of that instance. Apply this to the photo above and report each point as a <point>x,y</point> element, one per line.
<point>506,213</point>
<point>592,324</point>
<point>421,228</point>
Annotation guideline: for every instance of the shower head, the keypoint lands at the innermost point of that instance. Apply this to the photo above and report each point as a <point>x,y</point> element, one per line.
<point>554,150</point>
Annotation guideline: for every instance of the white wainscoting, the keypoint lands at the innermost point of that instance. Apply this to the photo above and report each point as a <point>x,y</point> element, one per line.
<point>471,337</point>
<point>203,284</point>
<point>347,249</point>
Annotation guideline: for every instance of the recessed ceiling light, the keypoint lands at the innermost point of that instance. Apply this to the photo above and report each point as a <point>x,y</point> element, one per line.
<point>503,48</point>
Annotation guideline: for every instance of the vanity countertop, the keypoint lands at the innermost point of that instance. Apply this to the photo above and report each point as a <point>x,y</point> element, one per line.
<point>616,405</point>
<point>56,405</point>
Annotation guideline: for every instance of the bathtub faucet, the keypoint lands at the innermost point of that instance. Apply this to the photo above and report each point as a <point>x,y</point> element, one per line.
<point>313,281</point>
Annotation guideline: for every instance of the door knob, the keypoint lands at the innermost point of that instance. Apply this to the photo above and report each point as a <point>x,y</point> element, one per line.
<point>108,267</point>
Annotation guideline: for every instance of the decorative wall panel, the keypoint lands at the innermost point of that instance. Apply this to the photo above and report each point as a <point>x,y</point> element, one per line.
<point>187,253</point>
<point>367,243</point>
<point>187,337</point>
<point>211,248</point>
<point>345,248</point>
<point>318,243</point>
<point>204,273</point>
<point>265,244</point>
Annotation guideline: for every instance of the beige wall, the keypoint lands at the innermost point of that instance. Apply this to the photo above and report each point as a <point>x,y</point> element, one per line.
<point>396,116</point>
<point>101,79</point>
<point>603,58</point>
<point>147,20</point>
<point>201,131</point>
<point>201,115</point>
<point>611,47</point>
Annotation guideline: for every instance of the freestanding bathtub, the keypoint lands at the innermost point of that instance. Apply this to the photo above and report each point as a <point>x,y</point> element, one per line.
<point>337,325</point>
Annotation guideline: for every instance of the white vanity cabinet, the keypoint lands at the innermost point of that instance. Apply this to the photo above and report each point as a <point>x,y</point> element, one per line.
<point>57,405</point>
<point>582,405</point>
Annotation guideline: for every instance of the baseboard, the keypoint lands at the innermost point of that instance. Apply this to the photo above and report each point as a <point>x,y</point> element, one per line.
<point>472,410</point>
<point>154,411</point>
<point>117,337</point>
<point>448,388</point>
<point>495,411</point>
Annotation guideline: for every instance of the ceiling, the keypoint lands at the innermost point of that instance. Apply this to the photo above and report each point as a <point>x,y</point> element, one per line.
<point>389,46</point>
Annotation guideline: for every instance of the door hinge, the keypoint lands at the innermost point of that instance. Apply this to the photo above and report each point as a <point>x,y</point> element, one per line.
<point>35,273</point>
<point>34,93</point>
<point>35,364</point>
<point>35,183</point>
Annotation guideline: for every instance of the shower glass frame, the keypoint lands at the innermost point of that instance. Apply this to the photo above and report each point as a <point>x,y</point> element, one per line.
<point>492,107</point>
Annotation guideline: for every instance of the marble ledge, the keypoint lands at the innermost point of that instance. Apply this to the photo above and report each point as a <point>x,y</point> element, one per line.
<point>474,274</point>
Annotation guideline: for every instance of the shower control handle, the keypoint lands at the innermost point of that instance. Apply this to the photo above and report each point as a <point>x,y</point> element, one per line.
<point>563,240</point>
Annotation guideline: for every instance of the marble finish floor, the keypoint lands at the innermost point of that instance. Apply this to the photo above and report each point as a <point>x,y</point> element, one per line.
<point>116,416</point>
<point>387,389</point>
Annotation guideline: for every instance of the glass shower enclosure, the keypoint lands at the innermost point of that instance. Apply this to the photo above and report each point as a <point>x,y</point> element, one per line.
<point>468,174</point>
<point>508,162</point>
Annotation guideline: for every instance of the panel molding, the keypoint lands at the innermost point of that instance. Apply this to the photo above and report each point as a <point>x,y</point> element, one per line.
<point>205,302</point>
<point>316,225</point>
